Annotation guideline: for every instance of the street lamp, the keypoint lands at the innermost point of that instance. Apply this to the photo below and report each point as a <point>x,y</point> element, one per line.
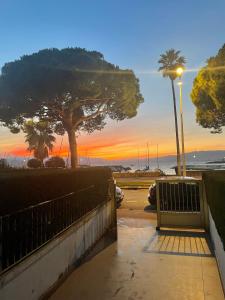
<point>179,72</point>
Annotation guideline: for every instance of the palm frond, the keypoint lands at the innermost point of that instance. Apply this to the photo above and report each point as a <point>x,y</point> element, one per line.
<point>169,62</point>
<point>40,138</point>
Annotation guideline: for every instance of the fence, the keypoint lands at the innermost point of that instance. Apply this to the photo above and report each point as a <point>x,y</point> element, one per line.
<point>26,230</point>
<point>179,196</point>
<point>179,202</point>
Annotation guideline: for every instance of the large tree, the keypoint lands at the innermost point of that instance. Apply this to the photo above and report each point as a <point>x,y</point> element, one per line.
<point>74,89</point>
<point>208,93</point>
<point>169,62</point>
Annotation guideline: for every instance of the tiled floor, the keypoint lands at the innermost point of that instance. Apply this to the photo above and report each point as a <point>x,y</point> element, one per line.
<point>146,265</point>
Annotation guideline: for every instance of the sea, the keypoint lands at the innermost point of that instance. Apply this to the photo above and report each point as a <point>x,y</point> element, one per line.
<point>208,160</point>
<point>167,165</point>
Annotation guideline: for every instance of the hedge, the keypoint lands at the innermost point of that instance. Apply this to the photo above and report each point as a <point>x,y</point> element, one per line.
<point>23,188</point>
<point>215,193</point>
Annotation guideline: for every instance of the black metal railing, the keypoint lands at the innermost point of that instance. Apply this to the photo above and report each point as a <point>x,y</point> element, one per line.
<point>26,230</point>
<point>179,196</point>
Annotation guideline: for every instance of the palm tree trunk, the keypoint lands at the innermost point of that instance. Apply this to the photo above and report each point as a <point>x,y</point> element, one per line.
<point>176,129</point>
<point>73,147</point>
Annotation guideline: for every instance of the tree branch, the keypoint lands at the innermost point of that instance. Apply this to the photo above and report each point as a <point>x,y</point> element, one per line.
<point>104,100</point>
<point>93,115</point>
<point>55,110</point>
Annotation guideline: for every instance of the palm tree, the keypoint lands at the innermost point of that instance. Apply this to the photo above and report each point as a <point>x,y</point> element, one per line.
<point>170,61</point>
<point>39,138</point>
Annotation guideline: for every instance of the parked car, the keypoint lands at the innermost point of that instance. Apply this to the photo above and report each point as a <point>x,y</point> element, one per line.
<point>152,194</point>
<point>119,196</point>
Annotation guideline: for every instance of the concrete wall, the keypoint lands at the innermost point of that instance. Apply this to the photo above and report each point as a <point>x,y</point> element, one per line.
<point>136,175</point>
<point>35,275</point>
<point>194,173</point>
<point>218,248</point>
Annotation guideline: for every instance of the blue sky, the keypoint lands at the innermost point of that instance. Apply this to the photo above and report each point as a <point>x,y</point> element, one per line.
<point>131,34</point>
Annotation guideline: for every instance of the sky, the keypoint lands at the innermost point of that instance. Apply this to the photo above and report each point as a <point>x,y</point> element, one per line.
<point>131,34</point>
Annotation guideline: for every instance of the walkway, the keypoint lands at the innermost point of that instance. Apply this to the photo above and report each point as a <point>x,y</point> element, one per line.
<point>146,265</point>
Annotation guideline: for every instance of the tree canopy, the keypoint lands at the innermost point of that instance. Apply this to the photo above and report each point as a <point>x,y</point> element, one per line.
<point>74,89</point>
<point>208,93</point>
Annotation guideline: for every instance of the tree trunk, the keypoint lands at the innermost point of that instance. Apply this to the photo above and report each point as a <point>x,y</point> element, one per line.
<point>73,147</point>
<point>176,129</point>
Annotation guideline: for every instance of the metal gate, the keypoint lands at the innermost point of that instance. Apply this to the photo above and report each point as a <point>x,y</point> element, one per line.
<point>180,203</point>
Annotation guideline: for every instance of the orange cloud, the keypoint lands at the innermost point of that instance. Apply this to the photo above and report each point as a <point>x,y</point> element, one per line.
<point>20,152</point>
<point>114,147</point>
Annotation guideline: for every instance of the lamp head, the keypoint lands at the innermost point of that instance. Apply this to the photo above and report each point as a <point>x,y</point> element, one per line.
<point>179,71</point>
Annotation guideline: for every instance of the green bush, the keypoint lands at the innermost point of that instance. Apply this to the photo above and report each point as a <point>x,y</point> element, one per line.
<point>23,188</point>
<point>55,162</point>
<point>215,193</point>
<point>34,163</point>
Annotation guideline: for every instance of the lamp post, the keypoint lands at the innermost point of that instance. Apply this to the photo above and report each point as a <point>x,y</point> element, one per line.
<point>180,83</point>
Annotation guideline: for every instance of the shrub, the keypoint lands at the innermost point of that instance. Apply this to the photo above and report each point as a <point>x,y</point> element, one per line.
<point>55,162</point>
<point>215,191</point>
<point>34,163</point>
<point>23,188</point>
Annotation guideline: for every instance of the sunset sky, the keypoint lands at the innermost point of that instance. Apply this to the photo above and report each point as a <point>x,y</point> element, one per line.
<point>131,34</point>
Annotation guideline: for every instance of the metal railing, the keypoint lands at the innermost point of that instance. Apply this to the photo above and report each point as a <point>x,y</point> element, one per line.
<point>179,196</point>
<point>26,230</point>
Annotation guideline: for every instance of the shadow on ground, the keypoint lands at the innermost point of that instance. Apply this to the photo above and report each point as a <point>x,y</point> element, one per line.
<point>150,208</point>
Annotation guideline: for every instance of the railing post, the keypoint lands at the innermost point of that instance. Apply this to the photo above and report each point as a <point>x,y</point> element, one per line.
<point>205,207</point>
<point>158,206</point>
<point>112,193</point>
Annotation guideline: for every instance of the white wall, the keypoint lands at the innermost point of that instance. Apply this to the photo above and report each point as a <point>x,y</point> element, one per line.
<point>218,248</point>
<point>32,277</point>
